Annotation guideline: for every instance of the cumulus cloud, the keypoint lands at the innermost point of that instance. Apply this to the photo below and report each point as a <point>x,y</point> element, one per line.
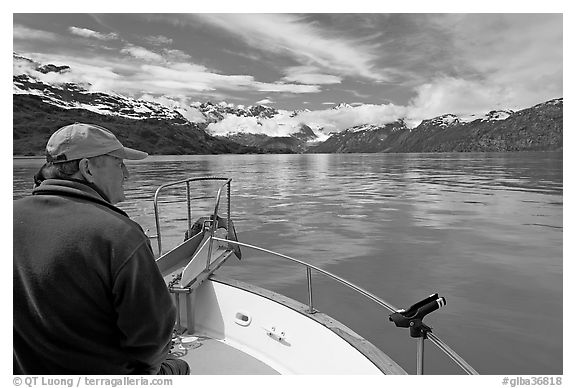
<point>22,66</point>
<point>336,120</point>
<point>180,104</point>
<point>322,122</point>
<point>516,65</point>
<point>463,96</point>
<point>234,124</point>
<point>87,33</point>
<point>458,96</point>
<point>91,75</point>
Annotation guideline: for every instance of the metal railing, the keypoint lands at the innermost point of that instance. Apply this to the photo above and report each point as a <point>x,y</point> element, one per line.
<point>459,361</point>
<point>309,267</point>
<point>189,199</point>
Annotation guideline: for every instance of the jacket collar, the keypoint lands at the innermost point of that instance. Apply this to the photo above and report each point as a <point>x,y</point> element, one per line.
<point>75,188</point>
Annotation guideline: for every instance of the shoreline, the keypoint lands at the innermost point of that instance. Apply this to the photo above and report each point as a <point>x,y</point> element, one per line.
<point>35,157</point>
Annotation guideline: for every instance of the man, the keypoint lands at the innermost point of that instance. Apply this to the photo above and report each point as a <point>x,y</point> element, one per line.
<point>88,296</point>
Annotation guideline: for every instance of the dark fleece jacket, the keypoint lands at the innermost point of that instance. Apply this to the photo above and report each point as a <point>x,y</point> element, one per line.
<point>88,296</point>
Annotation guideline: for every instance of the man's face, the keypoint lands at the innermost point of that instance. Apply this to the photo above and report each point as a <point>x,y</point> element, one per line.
<point>109,174</point>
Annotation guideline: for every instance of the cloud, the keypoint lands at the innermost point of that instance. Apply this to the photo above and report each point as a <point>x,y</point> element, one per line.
<point>265,101</point>
<point>151,73</point>
<point>185,77</point>
<point>504,60</point>
<point>321,121</point>
<point>235,124</point>
<point>173,55</point>
<point>189,77</point>
<point>142,53</point>
<point>462,96</point>
<point>458,96</point>
<point>159,40</point>
<point>506,43</point>
<point>92,75</point>
<point>25,33</point>
<point>87,33</point>
<point>23,66</point>
<point>309,75</point>
<point>336,120</point>
<point>304,41</point>
<point>468,63</point>
<point>285,88</point>
<point>180,104</point>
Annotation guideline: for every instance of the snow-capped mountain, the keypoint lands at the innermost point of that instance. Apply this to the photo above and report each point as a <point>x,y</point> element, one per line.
<point>342,105</point>
<point>446,120</point>
<point>495,115</point>
<point>536,128</point>
<point>78,96</point>
<point>274,130</point>
<point>450,119</point>
<point>220,119</point>
<point>73,96</point>
<point>215,112</point>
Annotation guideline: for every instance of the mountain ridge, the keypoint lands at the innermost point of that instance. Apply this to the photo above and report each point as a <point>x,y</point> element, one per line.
<point>173,128</point>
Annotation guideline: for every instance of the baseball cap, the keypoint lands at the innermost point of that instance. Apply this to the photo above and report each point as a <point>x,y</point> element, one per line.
<point>79,140</point>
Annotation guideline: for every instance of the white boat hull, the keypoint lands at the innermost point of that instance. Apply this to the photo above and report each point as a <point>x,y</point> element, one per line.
<point>277,332</point>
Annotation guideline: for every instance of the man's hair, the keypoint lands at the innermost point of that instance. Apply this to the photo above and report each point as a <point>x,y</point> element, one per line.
<point>63,170</point>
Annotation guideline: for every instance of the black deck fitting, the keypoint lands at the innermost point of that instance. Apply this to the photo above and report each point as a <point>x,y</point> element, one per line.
<point>412,318</point>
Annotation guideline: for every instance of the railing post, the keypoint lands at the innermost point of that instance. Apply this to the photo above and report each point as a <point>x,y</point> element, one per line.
<point>188,201</point>
<point>229,226</point>
<point>420,356</point>
<point>157,219</point>
<point>178,317</point>
<point>310,300</point>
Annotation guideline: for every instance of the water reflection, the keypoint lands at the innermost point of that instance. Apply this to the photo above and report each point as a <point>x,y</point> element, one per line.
<point>484,230</point>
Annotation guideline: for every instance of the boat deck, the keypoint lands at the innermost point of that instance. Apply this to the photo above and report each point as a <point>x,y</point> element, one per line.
<point>207,356</point>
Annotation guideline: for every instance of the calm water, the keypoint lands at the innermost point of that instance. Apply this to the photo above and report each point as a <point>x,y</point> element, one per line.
<point>482,230</point>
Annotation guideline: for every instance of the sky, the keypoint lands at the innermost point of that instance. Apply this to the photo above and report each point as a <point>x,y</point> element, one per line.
<point>415,64</point>
<point>384,66</point>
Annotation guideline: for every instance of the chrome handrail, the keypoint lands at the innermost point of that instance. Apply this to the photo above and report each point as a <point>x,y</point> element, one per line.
<point>452,354</point>
<point>434,338</point>
<point>331,275</point>
<point>309,267</point>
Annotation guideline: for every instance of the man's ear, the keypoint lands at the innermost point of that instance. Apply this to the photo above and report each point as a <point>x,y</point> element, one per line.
<point>84,168</point>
